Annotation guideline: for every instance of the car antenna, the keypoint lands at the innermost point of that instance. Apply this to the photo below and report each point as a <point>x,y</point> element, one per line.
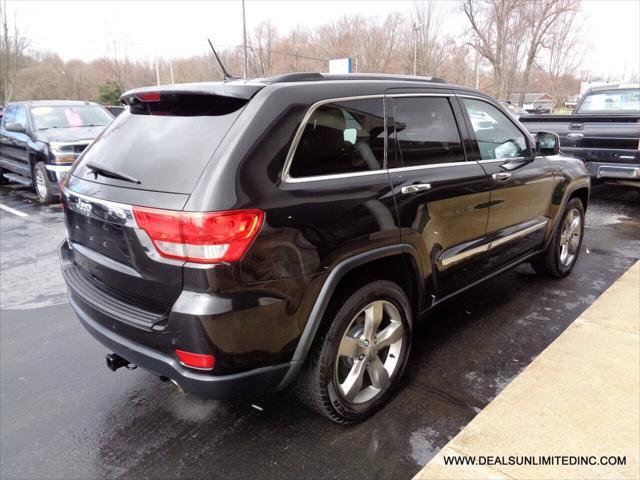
<point>226,75</point>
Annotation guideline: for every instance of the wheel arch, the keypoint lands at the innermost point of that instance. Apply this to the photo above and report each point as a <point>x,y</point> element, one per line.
<point>582,192</point>
<point>347,270</point>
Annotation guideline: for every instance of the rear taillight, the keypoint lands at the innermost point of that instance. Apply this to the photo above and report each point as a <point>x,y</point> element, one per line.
<point>210,237</point>
<point>196,360</point>
<point>148,96</point>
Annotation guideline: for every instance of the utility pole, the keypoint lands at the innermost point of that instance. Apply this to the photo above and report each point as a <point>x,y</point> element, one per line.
<point>244,42</point>
<point>171,70</point>
<point>416,27</point>
<point>477,69</point>
<point>157,70</point>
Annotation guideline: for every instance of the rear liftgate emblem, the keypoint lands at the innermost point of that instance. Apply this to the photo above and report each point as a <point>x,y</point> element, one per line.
<point>83,207</point>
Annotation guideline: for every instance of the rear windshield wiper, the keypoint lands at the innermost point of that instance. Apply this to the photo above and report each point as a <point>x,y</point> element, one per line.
<point>106,172</point>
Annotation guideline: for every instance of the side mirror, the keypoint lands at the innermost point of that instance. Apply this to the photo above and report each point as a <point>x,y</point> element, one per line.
<point>547,143</point>
<point>15,127</point>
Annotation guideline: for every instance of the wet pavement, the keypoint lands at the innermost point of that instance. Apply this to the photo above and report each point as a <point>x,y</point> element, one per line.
<point>64,415</point>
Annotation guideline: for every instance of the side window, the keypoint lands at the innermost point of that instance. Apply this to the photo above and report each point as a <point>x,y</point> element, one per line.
<point>9,114</point>
<point>497,136</point>
<point>425,132</point>
<point>21,116</point>
<point>341,137</point>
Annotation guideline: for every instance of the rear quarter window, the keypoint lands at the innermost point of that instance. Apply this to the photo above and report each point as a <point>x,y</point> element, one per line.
<point>339,138</point>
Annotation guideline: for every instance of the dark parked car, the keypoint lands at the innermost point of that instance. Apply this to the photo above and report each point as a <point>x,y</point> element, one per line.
<point>39,141</point>
<point>294,229</point>
<point>603,131</point>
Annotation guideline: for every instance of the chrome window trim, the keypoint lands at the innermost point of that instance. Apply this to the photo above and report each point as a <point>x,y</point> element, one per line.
<point>435,165</point>
<point>333,176</point>
<point>503,160</point>
<point>287,178</point>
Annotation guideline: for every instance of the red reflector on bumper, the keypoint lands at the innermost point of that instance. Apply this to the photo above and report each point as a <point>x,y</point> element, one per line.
<point>196,360</point>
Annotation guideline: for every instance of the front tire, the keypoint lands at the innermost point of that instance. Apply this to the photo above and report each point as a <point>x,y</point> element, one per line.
<point>358,359</point>
<point>562,253</point>
<point>41,185</point>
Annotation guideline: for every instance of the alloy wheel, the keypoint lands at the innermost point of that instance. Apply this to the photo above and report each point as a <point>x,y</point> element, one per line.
<point>369,353</point>
<point>41,187</point>
<point>570,237</point>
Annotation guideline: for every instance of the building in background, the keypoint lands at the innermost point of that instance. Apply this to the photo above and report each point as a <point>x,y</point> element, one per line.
<point>533,102</point>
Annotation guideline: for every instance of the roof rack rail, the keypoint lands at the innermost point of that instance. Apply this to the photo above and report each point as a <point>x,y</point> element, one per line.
<point>316,76</point>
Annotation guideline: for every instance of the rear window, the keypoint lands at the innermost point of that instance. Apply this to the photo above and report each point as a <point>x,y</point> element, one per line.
<point>165,145</point>
<point>612,101</point>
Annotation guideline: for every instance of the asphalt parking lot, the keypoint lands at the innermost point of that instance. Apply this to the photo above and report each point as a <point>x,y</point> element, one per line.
<point>64,415</point>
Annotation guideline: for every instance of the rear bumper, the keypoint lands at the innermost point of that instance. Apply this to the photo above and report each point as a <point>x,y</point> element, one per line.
<point>253,382</point>
<point>57,172</point>
<point>622,171</point>
<point>151,346</point>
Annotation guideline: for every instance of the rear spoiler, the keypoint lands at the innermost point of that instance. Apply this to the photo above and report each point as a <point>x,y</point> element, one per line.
<point>236,89</point>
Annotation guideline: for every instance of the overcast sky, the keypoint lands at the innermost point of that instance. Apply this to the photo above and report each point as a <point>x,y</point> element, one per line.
<point>76,29</point>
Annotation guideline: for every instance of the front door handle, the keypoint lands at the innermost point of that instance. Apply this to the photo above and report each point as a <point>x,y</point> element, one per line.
<point>501,176</point>
<point>415,188</point>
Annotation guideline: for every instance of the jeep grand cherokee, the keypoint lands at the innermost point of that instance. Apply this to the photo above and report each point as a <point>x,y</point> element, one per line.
<point>239,237</point>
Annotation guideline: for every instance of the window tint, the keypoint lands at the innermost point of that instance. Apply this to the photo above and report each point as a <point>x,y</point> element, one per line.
<point>21,116</point>
<point>425,132</point>
<point>496,135</point>
<point>341,137</point>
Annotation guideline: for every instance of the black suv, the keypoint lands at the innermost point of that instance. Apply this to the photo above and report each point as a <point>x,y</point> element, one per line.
<point>242,236</point>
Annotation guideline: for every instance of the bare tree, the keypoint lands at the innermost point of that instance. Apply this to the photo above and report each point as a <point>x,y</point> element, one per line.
<point>13,47</point>
<point>541,16</point>
<point>503,34</point>
<point>430,49</point>
<point>261,46</point>
<point>564,49</point>
<point>117,60</point>
<point>372,44</point>
<point>498,34</point>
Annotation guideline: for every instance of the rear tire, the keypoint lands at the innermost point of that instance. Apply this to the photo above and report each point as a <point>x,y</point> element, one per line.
<point>561,255</point>
<point>359,356</point>
<point>41,185</point>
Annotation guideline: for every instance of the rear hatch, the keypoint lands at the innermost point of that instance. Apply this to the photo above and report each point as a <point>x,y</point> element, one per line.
<point>152,156</point>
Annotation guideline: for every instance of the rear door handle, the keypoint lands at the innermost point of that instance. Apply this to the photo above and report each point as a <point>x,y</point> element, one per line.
<point>415,188</point>
<point>502,176</point>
